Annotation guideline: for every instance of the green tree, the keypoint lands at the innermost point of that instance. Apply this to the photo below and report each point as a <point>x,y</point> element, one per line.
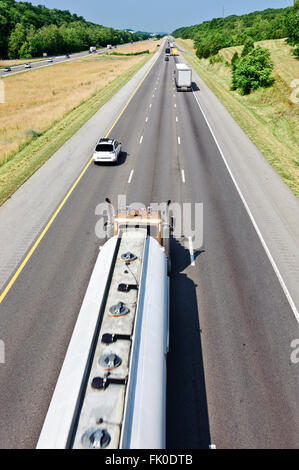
<point>234,30</point>
<point>234,61</point>
<point>4,29</point>
<point>16,40</point>
<point>25,51</point>
<point>292,24</point>
<point>253,71</point>
<point>216,42</point>
<point>53,31</point>
<point>248,46</point>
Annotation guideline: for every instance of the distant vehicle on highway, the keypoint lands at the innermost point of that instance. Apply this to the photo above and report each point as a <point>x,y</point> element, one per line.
<point>167,51</point>
<point>109,46</point>
<point>167,58</point>
<point>183,76</point>
<point>7,69</point>
<point>92,49</point>
<point>67,56</point>
<point>28,66</point>
<point>50,60</point>
<point>107,150</point>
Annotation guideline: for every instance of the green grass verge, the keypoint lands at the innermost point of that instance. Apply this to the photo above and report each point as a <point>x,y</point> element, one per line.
<point>21,165</point>
<point>268,116</point>
<point>129,53</point>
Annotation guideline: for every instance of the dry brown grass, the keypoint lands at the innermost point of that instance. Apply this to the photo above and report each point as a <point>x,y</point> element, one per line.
<point>138,47</point>
<point>186,44</point>
<point>22,164</point>
<point>37,99</point>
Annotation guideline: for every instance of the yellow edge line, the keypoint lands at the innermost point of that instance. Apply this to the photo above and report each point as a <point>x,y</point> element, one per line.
<point>45,230</point>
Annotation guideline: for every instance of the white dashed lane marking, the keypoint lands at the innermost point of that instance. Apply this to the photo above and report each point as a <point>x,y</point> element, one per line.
<point>130,177</point>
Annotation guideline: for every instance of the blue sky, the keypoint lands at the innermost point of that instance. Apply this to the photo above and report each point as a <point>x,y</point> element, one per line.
<point>158,15</point>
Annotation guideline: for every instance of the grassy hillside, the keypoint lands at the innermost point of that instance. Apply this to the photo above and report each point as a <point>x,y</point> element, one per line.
<point>268,115</point>
<point>211,36</point>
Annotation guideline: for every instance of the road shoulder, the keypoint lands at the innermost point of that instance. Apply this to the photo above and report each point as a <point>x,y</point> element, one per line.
<point>272,205</point>
<point>25,214</point>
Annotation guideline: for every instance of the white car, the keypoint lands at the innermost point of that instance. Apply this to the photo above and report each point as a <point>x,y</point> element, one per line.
<point>28,66</point>
<point>107,151</point>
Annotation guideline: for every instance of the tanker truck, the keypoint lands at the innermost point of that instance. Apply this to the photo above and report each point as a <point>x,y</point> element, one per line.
<point>111,391</point>
<point>183,77</point>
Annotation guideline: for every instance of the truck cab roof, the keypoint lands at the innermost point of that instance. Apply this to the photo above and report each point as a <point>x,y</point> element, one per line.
<point>139,219</point>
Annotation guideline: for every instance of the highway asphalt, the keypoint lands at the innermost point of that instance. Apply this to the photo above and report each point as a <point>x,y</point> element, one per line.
<point>42,63</point>
<point>56,60</point>
<point>231,381</point>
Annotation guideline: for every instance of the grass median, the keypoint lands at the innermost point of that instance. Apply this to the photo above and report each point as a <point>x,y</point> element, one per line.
<point>77,91</point>
<point>268,116</point>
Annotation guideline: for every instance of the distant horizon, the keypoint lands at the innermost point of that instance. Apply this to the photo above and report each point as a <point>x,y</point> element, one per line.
<point>156,18</point>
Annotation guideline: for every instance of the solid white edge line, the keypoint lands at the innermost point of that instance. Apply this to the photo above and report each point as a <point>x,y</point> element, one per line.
<point>191,251</point>
<point>130,177</point>
<point>271,259</point>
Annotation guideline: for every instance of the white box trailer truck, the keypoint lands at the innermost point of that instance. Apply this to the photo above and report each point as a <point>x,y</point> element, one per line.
<point>183,76</point>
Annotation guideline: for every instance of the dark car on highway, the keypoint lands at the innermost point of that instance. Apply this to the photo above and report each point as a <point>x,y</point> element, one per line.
<point>7,69</point>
